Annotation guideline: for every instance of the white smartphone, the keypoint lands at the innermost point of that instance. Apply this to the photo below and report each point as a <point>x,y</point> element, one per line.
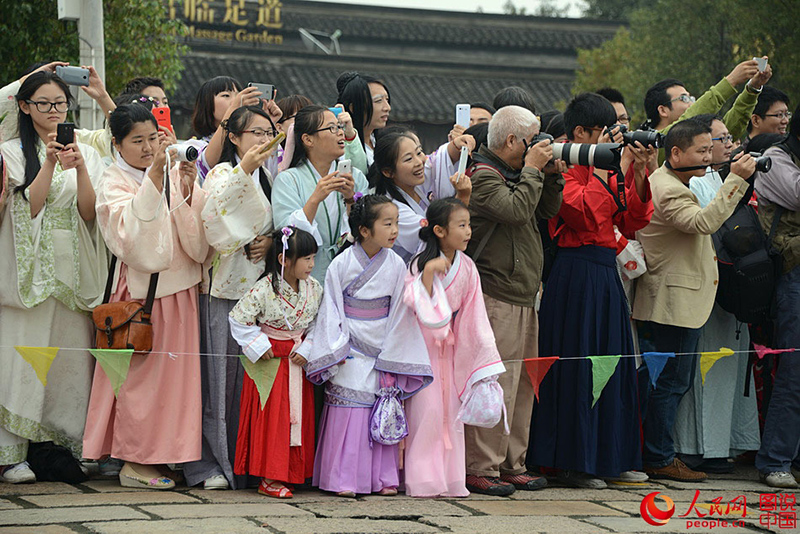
<point>345,166</point>
<point>462,115</point>
<point>462,162</point>
<point>762,63</point>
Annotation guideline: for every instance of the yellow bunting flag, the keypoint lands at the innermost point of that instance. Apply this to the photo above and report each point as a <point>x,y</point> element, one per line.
<point>602,369</point>
<point>115,364</point>
<point>40,358</point>
<point>708,359</point>
<point>263,373</point>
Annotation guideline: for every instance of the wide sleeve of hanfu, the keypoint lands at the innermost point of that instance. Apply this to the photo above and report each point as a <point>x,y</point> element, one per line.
<point>476,355</point>
<point>234,213</point>
<point>134,221</point>
<point>328,340</point>
<point>188,219</point>
<point>438,170</point>
<point>8,111</point>
<point>288,201</point>
<point>433,311</point>
<point>404,353</point>
<point>243,320</point>
<point>92,251</point>
<point>354,151</point>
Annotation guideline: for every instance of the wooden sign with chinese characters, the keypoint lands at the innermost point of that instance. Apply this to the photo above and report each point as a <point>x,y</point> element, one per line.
<point>244,21</point>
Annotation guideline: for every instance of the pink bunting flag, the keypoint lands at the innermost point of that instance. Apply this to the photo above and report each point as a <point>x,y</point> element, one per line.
<point>762,351</point>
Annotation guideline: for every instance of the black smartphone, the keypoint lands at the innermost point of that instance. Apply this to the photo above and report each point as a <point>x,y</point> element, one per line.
<point>65,134</point>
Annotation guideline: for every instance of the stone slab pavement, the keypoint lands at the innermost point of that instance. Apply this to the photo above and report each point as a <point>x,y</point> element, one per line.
<point>101,506</point>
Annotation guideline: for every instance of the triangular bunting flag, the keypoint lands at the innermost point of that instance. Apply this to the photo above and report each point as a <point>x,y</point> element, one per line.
<point>263,373</point>
<point>602,369</point>
<point>40,358</point>
<point>537,369</point>
<point>762,351</point>
<point>655,362</point>
<point>115,364</point>
<point>708,359</point>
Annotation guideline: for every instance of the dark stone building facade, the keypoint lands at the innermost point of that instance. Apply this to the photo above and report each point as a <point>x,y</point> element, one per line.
<point>430,60</point>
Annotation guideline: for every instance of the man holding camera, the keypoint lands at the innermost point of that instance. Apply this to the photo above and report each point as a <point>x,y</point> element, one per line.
<point>509,191</point>
<point>676,294</point>
<point>778,460</point>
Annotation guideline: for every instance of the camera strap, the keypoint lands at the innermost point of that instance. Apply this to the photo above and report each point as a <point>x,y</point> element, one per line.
<point>619,197</point>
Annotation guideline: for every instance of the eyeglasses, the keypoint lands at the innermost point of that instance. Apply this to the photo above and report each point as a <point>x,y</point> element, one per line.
<point>781,116</point>
<point>725,139</point>
<point>623,118</point>
<point>333,128</point>
<point>258,132</point>
<point>686,99</point>
<point>45,107</point>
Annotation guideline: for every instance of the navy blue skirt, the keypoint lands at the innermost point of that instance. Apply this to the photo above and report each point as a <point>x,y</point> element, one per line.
<point>584,313</point>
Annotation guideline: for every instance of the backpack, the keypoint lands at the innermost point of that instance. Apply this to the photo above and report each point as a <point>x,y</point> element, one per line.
<point>748,264</point>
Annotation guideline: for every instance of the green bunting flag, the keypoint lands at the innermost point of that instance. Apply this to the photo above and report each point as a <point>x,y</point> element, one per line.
<point>40,358</point>
<point>602,369</point>
<point>263,373</point>
<point>115,364</point>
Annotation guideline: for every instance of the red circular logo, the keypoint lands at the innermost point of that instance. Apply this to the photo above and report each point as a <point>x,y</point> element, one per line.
<point>631,265</point>
<point>652,513</point>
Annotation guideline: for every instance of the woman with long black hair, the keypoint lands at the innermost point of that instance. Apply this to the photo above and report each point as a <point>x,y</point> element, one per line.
<point>53,263</point>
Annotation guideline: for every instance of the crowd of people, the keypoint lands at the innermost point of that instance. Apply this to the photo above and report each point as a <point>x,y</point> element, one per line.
<point>344,308</point>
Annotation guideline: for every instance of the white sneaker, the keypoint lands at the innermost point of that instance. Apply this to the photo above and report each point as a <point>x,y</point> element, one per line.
<point>217,482</point>
<point>630,477</point>
<point>19,474</point>
<point>779,479</point>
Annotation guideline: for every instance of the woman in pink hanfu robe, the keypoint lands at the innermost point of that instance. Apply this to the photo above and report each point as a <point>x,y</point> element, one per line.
<point>156,418</point>
<point>462,349</point>
<point>364,325</point>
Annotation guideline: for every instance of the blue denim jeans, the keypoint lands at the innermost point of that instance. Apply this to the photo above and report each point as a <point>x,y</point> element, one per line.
<point>780,442</point>
<point>659,405</point>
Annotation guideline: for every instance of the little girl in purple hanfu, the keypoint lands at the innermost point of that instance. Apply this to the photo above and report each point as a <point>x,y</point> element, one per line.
<point>367,347</point>
<point>444,289</point>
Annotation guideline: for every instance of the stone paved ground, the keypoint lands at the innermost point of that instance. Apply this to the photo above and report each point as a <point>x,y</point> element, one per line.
<point>102,506</point>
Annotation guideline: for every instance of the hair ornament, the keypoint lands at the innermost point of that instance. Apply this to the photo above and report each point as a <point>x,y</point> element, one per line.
<point>349,238</point>
<point>286,232</point>
<point>423,223</point>
<point>358,196</point>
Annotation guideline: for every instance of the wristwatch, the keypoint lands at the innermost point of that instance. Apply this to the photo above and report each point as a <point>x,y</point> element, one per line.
<point>752,90</point>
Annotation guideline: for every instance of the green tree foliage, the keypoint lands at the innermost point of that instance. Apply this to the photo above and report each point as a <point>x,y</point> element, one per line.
<point>140,40</point>
<point>611,9</point>
<point>697,42</point>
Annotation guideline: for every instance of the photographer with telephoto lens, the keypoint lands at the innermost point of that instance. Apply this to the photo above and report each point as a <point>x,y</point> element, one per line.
<point>584,311</point>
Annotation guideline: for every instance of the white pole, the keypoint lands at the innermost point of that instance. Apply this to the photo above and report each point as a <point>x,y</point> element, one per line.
<point>92,52</point>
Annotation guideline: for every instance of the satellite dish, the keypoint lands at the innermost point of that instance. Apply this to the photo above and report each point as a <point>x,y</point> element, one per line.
<point>311,38</point>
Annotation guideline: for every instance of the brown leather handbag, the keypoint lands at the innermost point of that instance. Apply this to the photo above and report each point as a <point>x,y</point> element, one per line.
<point>126,324</point>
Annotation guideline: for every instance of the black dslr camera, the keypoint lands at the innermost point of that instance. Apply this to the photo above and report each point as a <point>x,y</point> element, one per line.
<point>647,138</point>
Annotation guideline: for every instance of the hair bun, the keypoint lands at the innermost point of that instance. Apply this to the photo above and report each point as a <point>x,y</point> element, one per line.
<point>344,79</point>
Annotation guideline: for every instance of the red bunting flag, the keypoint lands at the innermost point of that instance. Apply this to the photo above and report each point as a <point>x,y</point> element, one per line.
<point>537,368</point>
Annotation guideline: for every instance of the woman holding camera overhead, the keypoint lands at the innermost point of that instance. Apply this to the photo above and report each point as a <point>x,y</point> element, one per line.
<point>312,194</point>
<point>150,218</point>
<point>237,219</point>
<point>584,313</point>
<point>53,262</point>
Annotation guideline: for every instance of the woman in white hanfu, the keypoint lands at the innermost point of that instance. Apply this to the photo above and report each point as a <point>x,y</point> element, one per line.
<point>53,263</point>
<point>412,180</point>
<point>238,221</point>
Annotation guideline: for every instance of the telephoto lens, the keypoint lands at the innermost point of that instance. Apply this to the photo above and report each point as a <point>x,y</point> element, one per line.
<point>186,152</point>
<point>763,163</point>
<point>602,155</point>
<point>645,137</point>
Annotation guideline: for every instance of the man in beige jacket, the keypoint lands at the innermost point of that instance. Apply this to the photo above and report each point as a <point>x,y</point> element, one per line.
<point>676,294</point>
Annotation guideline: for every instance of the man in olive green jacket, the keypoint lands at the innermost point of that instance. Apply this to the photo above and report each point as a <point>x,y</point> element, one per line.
<point>668,101</point>
<point>510,192</point>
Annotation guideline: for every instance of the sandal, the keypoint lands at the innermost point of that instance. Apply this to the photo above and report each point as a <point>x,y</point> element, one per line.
<point>274,489</point>
<point>388,492</point>
<point>346,494</point>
